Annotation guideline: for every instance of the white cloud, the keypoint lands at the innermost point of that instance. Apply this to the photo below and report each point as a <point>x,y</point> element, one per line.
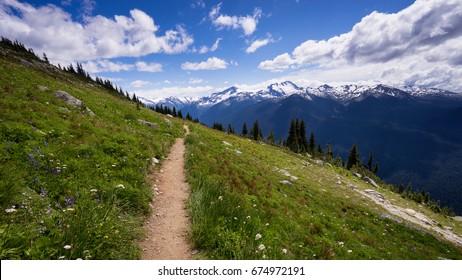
<point>213,63</point>
<point>188,91</point>
<point>51,30</point>
<point>98,66</point>
<point>247,23</point>
<point>255,45</point>
<point>200,4</point>
<point>148,67</point>
<point>196,81</point>
<point>139,83</point>
<point>418,45</point>
<point>214,47</point>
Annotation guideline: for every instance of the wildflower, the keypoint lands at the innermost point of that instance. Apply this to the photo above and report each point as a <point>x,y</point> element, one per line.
<point>341,243</point>
<point>264,256</point>
<point>248,217</point>
<point>43,192</point>
<point>11,210</point>
<point>284,250</point>
<point>220,198</point>
<point>67,247</point>
<point>261,247</point>
<point>258,236</point>
<point>349,251</point>
<point>314,255</point>
<point>267,224</point>
<point>106,237</point>
<point>61,258</point>
<point>69,201</point>
<point>120,186</point>
<point>93,190</point>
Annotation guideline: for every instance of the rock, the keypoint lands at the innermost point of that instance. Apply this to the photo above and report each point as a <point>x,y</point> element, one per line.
<point>319,162</point>
<point>226,143</point>
<point>155,161</point>
<point>339,182</point>
<point>328,164</point>
<point>357,175</point>
<point>168,122</point>
<point>42,88</point>
<point>458,218</point>
<point>155,126</point>
<point>352,186</point>
<point>370,181</point>
<point>375,193</point>
<point>170,116</point>
<point>71,100</point>
<point>285,182</point>
<point>238,152</point>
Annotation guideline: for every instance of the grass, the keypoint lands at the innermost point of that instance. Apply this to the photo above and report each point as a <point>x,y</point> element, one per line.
<point>241,210</point>
<point>73,185</point>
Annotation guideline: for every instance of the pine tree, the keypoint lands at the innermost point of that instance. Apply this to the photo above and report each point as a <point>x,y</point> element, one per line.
<point>188,117</point>
<point>329,153</point>
<point>230,129</point>
<point>292,139</point>
<point>180,114</point>
<point>376,169</point>
<point>312,144</point>
<point>320,151</point>
<point>369,162</point>
<point>353,157</point>
<point>270,139</point>
<point>255,132</point>
<point>244,130</point>
<point>303,142</point>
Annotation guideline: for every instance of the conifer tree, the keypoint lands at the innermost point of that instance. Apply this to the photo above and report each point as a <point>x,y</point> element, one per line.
<point>353,157</point>
<point>369,162</point>
<point>255,132</point>
<point>244,130</point>
<point>320,151</point>
<point>292,139</point>
<point>303,142</point>
<point>311,144</point>
<point>329,153</point>
<point>270,139</point>
<point>376,168</point>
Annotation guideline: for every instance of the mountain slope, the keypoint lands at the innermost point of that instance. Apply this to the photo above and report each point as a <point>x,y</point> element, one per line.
<point>414,132</point>
<point>72,183</point>
<point>254,201</point>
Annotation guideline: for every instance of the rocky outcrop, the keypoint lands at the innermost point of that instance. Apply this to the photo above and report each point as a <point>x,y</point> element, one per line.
<point>153,125</point>
<point>370,181</point>
<point>71,100</point>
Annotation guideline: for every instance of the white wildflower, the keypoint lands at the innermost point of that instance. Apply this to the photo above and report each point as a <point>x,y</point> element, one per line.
<point>341,243</point>
<point>248,217</point>
<point>11,210</point>
<point>261,247</point>
<point>120,186</point>
<point>220,198</point>
<point>258,236</point>
<point>284,250</point>
<point>61,257</point>
<point>67,247</point>
<point>350,251</point>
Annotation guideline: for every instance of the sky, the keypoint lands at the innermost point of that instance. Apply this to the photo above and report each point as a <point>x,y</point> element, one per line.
<point>193,48</point>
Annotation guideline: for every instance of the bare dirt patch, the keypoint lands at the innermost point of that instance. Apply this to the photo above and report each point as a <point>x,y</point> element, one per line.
<point>168,227</point>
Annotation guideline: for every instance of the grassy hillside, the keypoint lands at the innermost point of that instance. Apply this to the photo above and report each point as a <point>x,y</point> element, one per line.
<point>72,185</point>
<point>241,208</point>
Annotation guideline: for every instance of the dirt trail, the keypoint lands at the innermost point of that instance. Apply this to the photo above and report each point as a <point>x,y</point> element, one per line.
<point>168,227</point>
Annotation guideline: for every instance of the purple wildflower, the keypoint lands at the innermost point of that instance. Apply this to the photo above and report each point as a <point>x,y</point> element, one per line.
<point>69,201</point>
<point>33,160</point>
<point>43,192</point>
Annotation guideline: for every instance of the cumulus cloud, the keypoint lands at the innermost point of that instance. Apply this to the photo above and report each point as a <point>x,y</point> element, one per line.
<point>213,63</point>
<point>148,67</point>
<point>247,23</point>
<point>51,30</point>
<point>424,39</point>
<point>138,83</point>
<point>196,81</point>
<point>255,45</point>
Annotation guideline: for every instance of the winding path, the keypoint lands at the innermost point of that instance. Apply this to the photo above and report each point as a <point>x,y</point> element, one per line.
<point>168,227</point>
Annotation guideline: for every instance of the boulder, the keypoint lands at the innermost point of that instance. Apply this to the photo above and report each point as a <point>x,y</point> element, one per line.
<point>375,193</point>
<point>370,181</point>
<point>155,126</point>
<point>71,100</point>
<point>285,182</point>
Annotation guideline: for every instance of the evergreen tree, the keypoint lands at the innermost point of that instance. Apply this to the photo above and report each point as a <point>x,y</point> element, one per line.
<point>302,141</point>
<point>320,151</point>
<point>292,139</point>
<point>180,114</point>
<point>353,157</point>
<point>45,58</point>
<point>369,162</point>
<point>255,132</point>
<point>311,144</point>
<point>376,169</point>
<point>244,130</point>
<point>230,129</point>
<point>188,117</point>
<point>329,153</point>
<point>270,139</point>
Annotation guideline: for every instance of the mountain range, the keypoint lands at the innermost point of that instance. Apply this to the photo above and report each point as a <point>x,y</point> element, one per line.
<point>414,132</point>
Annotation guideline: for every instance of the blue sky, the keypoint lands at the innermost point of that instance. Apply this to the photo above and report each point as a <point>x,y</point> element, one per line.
<point>194,48</point>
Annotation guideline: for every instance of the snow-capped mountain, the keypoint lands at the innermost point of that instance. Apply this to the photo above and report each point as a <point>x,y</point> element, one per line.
<point>344,94</point>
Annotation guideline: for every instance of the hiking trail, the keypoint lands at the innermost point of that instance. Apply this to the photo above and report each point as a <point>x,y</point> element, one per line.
<point>168,226</point>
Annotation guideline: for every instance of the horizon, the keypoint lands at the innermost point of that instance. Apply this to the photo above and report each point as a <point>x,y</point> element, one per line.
<point>197,48</point>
